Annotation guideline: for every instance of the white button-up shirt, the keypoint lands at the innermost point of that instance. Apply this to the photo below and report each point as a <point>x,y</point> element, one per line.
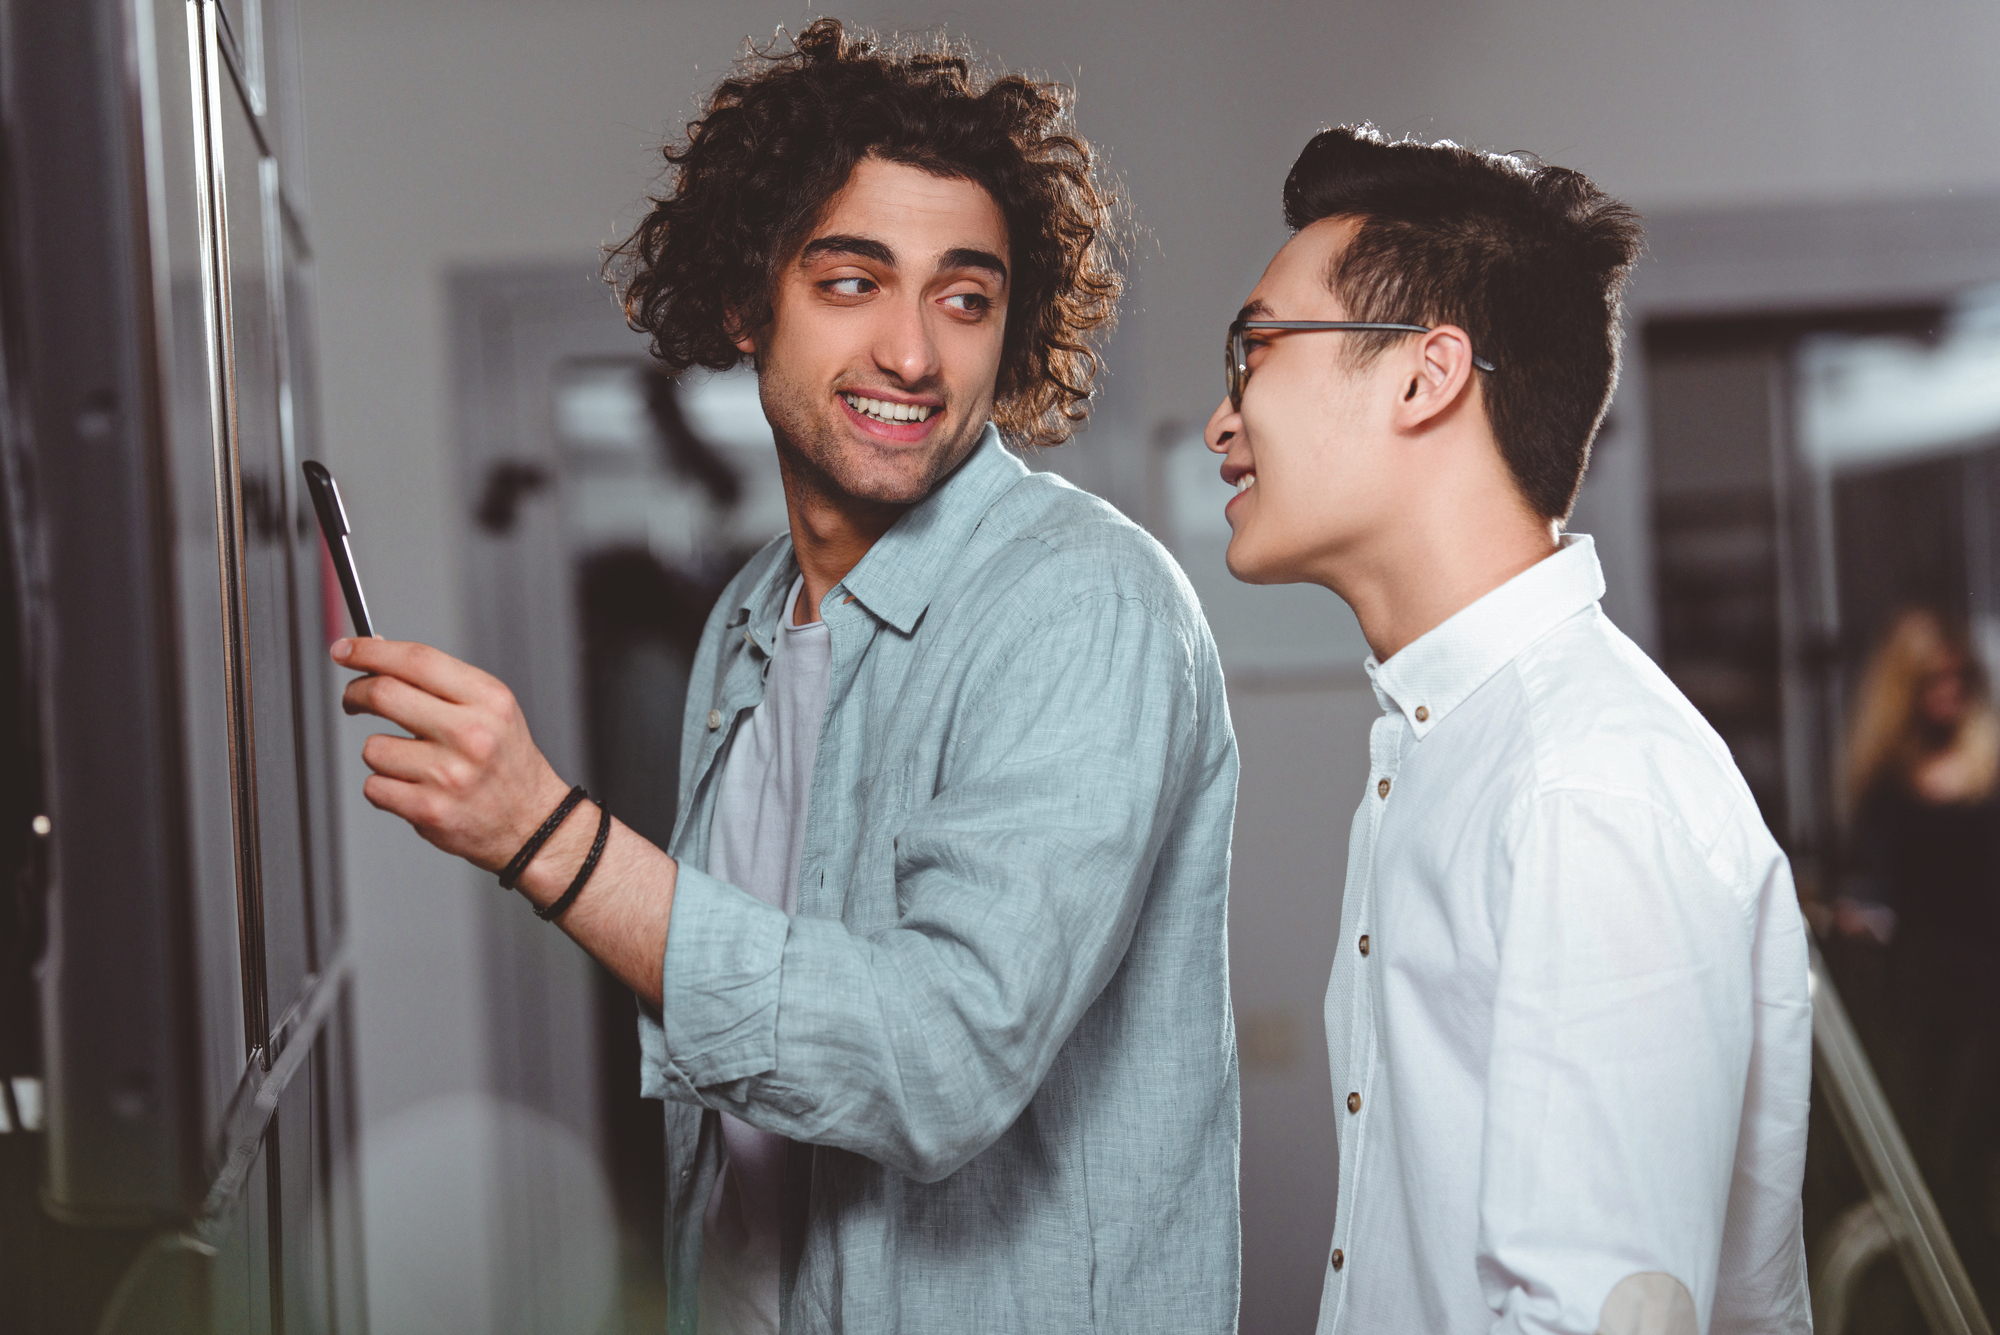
<point>1568,1020</point>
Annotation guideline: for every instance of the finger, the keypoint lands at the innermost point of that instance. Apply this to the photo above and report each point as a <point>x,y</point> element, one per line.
<point>405,759</point>
<point>396,797</point>
<point>400,703</point>
<point>420,665</point>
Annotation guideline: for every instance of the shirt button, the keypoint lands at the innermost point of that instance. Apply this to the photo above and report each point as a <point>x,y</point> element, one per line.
<point>714,719</point>
<point>1423,713</point>
<point>1339,1259</point>
<point>1364,943</point>
<point>1382,788</point>
<point>1354,1103</point>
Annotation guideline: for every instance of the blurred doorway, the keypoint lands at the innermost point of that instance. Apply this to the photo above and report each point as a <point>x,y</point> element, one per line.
<point>607,505</point>
<point>1823,483</point>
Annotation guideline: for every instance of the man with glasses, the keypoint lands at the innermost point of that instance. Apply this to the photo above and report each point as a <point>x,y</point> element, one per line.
<point>1567,1021</point>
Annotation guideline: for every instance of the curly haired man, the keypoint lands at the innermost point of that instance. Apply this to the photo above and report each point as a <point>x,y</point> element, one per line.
<point>933,971</point>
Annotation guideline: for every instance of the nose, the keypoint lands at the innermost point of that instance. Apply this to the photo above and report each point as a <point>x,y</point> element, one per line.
<point>1223,424</point>
<point>904,345</point>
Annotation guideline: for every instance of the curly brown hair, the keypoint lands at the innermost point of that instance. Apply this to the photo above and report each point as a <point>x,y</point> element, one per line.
<point>778,138</point>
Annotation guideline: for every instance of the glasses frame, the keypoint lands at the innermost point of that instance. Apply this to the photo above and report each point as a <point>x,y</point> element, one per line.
<point>1238,367</point>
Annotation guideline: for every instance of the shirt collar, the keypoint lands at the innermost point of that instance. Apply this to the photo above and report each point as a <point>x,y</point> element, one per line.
<point>897,577</point>
<point>1433,674</point>
<point>901,572</point>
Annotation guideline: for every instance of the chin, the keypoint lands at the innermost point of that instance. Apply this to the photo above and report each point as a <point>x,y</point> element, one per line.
<point>890,490</point>
<point>1248,569</point>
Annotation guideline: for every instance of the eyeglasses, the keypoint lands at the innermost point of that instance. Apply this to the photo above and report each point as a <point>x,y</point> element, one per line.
<point>1239,362</point>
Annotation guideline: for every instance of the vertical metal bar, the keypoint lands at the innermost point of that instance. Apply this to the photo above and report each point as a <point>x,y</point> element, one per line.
<point>1887,1167</point>
<point>209,82</point>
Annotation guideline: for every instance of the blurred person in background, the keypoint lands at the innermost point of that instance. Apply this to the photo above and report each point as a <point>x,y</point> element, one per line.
<point>1923,784</point>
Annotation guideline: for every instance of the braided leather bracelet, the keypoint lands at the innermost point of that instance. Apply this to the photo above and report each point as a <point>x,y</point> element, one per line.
<point>555,910</point>
<point>510,875</point>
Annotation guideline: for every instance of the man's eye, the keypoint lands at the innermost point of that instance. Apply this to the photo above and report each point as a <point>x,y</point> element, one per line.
<point>974,302</point>
<point>848,287</point>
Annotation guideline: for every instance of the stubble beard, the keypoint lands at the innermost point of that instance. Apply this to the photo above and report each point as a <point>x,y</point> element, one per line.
<point>817,452</point>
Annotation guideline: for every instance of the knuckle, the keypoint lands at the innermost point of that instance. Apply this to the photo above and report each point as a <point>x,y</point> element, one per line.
<point>478,744</point>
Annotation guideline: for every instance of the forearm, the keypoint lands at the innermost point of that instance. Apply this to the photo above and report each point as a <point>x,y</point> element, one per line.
<point>621,916</point>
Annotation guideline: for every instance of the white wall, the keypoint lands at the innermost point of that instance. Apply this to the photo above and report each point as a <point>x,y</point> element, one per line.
<point>450,132</point>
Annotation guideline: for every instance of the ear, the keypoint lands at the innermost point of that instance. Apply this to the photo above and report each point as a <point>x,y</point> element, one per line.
<point>745,341</point>
<point>1435,378</point>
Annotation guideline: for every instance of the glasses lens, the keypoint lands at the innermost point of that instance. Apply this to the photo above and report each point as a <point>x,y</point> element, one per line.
<point>1232,354</point>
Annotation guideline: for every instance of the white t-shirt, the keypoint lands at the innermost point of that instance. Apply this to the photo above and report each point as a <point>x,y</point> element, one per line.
<point>755,839</point>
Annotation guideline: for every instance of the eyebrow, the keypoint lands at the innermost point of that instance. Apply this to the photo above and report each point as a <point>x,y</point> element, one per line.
<point>964,257</point>
<point>1254,310</point>
<point>867,248</point>
<point>861,246</point>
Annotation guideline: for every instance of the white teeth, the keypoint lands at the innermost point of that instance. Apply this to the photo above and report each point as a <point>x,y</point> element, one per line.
<point>883,411</point>
<point>1244,483</point>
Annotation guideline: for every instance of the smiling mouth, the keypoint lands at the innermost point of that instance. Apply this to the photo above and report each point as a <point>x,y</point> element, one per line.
<point>894,414</point>
<point>1244,483</point>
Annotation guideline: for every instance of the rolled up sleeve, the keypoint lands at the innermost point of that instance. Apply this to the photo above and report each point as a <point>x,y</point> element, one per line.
<point>1020,873</point>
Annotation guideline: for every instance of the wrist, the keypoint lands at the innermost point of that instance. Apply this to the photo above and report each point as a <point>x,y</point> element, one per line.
<point>552,869</point>
<point>546,796</point>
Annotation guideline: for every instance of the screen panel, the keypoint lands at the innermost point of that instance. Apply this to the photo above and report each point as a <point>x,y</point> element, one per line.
<point>267,553</point>
<point>301,1279</point>
<point>315,671</point>
<point>340,1222</point>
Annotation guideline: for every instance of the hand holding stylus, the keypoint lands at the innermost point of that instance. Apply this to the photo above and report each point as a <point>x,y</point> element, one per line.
<point>471,781</point>
<point>470,778</point>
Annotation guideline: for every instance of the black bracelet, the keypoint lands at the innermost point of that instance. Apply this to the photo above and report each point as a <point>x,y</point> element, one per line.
<point>555,910</point>
<point>510,875</point>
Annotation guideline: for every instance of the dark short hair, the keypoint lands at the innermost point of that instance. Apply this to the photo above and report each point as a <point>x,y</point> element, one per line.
<point>779,137</point>
<point>1530,260</point>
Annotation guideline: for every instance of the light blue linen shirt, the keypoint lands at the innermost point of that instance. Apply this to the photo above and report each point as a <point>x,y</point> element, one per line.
<point>999,1023</point>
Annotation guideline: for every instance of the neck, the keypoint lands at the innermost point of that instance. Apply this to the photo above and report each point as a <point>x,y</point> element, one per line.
<point>1417,572</point>
<point>831,531</point>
